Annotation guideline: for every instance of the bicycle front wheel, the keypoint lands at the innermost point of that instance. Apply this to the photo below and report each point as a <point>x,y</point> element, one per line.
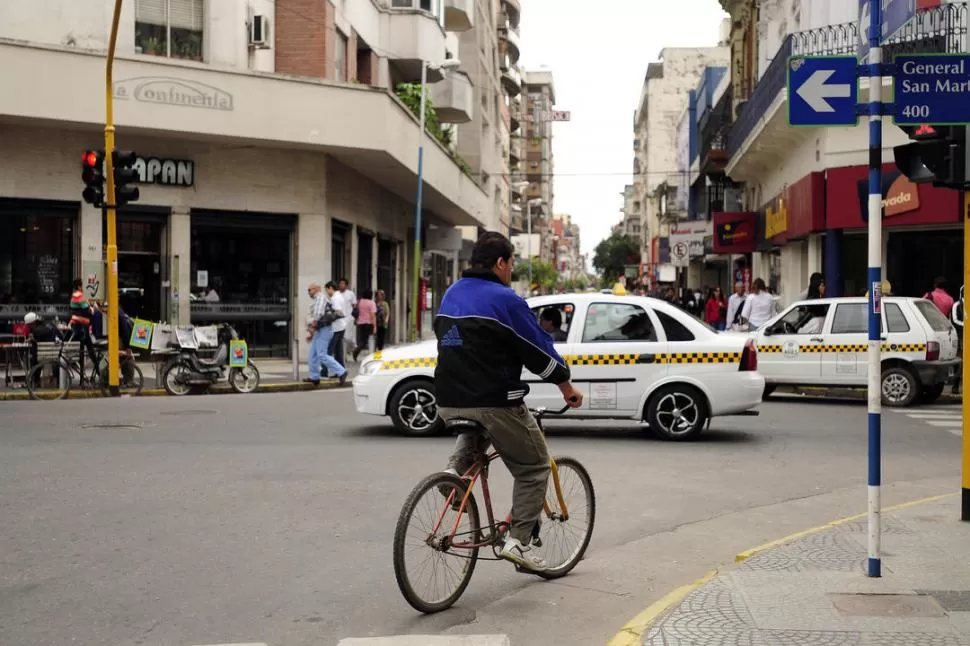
<point>564,540</point>
<point>431,565</point>
<point>49,380</point>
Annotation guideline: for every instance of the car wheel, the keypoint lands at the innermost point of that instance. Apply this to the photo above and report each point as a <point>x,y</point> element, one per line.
<point>414,409</point>
<point>899,386</point>
<point>930,394</point>
<point>677,412</point>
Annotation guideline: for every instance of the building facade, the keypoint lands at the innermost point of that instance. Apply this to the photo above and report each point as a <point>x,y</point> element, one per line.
<point>801,194</point>
<point>665,99</point>
<point>538,105</point>
<point>276,148</point>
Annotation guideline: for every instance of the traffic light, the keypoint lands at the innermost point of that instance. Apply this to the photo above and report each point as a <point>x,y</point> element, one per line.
<point>92,174</point>
<point>123,160</point>
<point>938,156</point>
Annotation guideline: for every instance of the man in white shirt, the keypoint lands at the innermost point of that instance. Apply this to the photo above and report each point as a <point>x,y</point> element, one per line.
<point>735,303</point>
<point>350,302</point>
<point>340,303</point>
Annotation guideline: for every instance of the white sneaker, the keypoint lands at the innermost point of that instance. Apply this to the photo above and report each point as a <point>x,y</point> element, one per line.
<point>445,491</point>
<point>515,552</point>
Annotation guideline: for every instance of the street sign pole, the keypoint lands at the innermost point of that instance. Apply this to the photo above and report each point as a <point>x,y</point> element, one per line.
<point>965,488</point>
<point>873,563</point>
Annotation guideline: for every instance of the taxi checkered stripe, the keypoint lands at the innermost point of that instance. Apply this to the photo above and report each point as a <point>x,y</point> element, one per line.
<point>848,347</point>
<point>598,359</point>
<point>418,362</point>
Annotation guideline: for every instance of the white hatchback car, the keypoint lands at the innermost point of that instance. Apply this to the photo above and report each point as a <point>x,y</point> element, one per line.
<point>825,343</point>
<point>633,358</point>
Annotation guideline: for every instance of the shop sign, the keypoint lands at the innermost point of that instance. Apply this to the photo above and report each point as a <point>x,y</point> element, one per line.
<point>905,204</point>
<point>167,172</point>
<point>687,241</point>
<point>900,195</point>
<point>173,91</point>
<point>776,220</point>
<point>735,232</point>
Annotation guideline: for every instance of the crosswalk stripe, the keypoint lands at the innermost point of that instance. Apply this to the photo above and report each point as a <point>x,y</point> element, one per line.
<point>949,422</point>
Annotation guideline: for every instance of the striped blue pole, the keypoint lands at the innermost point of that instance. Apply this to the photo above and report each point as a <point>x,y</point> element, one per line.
<point>874,563</point>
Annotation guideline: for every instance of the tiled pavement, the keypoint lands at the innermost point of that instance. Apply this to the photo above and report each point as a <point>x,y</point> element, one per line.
<point>813,591</point>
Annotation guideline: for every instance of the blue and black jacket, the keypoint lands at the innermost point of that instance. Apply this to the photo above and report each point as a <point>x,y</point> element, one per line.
<point>486,334</point>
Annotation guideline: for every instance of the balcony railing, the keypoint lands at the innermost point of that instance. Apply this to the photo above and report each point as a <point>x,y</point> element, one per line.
<point>714,127</point>
<point>941,29</point>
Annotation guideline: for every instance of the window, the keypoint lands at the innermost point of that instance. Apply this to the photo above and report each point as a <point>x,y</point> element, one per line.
<point>895,318</point>
<point>548,315</point>
<point>805,319</point>
<point>617,322</point>
<point>340,58</point>
<point>850,318</point>
<point>674,329</point>
<point>171,28</point>
<point>937,321</point>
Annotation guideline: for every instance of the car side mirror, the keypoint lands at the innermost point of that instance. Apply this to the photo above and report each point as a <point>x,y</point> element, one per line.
<point>768,331</point>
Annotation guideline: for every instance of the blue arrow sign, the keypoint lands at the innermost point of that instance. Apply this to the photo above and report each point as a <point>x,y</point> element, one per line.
<point>932,88</point>
<point>822,91</point>
<point>896,14</point>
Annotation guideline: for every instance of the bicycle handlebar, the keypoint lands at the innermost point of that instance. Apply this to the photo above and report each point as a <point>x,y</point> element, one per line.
<point>542,411</point>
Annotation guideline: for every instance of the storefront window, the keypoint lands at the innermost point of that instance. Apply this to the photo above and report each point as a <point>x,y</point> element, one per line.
<point>241,275</point>
<point>36,262</point>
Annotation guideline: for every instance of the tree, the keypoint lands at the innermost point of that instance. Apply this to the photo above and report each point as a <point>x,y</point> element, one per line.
<point>544,275</point>
<point>613,254</point>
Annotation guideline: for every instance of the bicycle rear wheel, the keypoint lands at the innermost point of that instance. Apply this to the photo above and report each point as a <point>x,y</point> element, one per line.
<point>423,543</point>
<point>564,542</point>
<point>49,380</point>
<point>130,385</point>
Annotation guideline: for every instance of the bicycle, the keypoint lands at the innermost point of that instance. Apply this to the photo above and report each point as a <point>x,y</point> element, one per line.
<point>44,380</point>
<point>453,494</point>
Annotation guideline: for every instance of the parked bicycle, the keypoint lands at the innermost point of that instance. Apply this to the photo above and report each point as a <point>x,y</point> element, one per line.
<point>52,378</point>
<point>440,520</point>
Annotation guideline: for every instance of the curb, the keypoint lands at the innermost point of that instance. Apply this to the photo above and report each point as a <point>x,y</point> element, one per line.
<point>279,387</point>
<point>633,631</point>
<point>847,393</point>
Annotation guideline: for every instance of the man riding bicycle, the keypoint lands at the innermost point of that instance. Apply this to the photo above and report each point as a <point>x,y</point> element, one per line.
<point>486,333</point>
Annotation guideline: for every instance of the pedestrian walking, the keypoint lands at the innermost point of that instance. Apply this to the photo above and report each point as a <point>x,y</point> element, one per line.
<point>320,334</point>
<point>939,297</point>
<point>715,309</point>
<point>735,305</point>
<point>343,301</point>
<point>759,306</point>
<point>383,318</point>
<point>366,321</point>
<point>80,323</point>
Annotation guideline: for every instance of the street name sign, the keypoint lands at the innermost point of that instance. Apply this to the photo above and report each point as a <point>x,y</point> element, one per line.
<point>823,91</point>
<point>896,14</point>
<point>932,88</point>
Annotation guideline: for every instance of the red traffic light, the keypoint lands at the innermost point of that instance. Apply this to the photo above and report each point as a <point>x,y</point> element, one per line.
<point>924,131</point>
<point>90,158</point>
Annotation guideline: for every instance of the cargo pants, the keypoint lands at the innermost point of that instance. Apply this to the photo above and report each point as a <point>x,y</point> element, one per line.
<point>520,443</point>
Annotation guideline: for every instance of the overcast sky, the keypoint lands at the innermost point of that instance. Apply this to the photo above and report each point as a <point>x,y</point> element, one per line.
<point>598,52</point>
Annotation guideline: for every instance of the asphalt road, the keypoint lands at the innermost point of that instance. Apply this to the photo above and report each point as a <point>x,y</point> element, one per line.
<point>268,518</point>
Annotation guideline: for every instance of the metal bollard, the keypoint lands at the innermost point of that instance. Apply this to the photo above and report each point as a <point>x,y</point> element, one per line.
<point>296,359</point>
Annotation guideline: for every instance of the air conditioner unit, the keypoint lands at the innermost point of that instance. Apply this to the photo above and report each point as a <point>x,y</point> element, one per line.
<point>259,32</point>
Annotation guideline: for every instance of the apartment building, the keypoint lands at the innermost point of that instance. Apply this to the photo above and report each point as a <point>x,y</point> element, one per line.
<point>630,219</point>
<point>540,100</point>
<point>276,147</point>
<point>664,97</point>
<point>567,259</point>
<point>802,203</point>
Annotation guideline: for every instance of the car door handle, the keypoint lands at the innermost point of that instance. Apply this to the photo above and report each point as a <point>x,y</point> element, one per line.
<point>816,339</point>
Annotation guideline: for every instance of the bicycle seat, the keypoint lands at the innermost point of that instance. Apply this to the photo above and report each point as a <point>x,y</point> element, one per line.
<point>459,425</point>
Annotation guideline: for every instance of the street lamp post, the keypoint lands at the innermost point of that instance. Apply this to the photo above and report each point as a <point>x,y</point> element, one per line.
<point>450,63</point>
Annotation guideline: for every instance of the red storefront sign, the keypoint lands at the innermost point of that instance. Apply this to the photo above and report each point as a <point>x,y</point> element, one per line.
<point>735,232</point>
<point>798,211</point>
<point>904,203</point>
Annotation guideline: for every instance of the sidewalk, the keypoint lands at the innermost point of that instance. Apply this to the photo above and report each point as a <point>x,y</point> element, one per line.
<point>813,590</point>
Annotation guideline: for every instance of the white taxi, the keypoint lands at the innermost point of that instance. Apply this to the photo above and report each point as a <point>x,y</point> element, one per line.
<point>825,343</point>
<point>632,357</point>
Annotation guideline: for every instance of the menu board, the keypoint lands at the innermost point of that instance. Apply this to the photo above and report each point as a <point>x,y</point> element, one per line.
<point>48,274</point>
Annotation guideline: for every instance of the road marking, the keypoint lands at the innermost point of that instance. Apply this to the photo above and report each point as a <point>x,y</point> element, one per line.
<point>948,417</point>
<point>632,633</point>
<point>428,640</point>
